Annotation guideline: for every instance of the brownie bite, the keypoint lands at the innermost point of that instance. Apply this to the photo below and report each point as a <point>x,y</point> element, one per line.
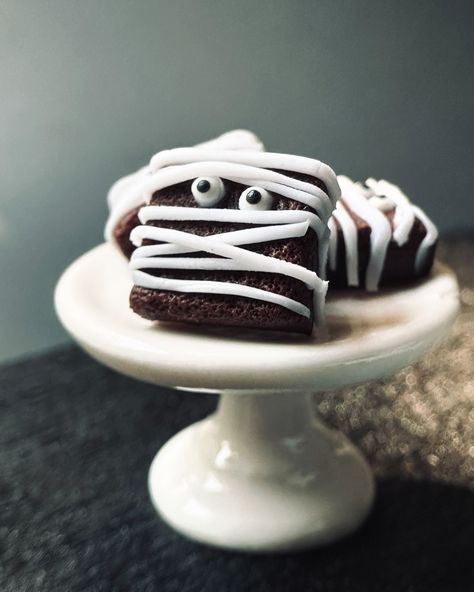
<point>234,239</point>
<point>378,237</point>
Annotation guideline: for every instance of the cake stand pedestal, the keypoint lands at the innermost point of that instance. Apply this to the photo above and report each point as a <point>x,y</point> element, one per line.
<point>261,473</point>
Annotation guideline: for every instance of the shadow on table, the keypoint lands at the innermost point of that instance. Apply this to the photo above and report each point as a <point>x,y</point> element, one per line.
<point>419,537</point>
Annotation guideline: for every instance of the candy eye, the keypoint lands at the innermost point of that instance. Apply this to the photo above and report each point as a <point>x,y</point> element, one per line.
<point>255,198</point>
<point>208,191</point>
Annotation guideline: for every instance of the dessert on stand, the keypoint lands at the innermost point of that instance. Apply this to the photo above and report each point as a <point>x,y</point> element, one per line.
<point>223,288</point>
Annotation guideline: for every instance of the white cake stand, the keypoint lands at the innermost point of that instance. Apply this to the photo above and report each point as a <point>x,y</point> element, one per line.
<point>260,474</point>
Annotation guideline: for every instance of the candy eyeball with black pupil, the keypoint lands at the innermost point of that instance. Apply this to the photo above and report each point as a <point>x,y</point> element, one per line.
<point>208,191</point>
<point>255,198</point>
<point>203,185</point>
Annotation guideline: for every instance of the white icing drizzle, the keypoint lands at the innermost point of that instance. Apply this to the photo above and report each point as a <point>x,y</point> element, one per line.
<point>371,203</point>
<point>230,257</point>
<point>272,219</point>
<point>404,214</point>
<point>237,156</point>
<point>286,186</point>
<point>380,234</point>
<point>280,225</point>
<point>207,287</point>
<point>237,165</point>
<point>120,187</point>
<point>126,194</point>
<point>429,239</point>
<point>173,213</point>
<point>249,169</point>
<point>349,233</point>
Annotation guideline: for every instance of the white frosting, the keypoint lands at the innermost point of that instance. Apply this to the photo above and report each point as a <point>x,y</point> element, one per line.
<point>243,166</point>
<point>148,213</point>
<point>404,214</point>
<point>429,239</point>
<point>279,225</point>
<point>238,157</point>
<point>301,191</point>
<point>370,204</point>
<point>126,194</point>
<point>349,233</point>
<point>252,170</point>
<point>384,204</point>
<point>356,199</point>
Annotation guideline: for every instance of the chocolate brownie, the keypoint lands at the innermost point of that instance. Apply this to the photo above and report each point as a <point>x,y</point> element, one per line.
<point>264,275</point>
<point>378,237</point>
<point>125,197</point>
<point>121,232</point>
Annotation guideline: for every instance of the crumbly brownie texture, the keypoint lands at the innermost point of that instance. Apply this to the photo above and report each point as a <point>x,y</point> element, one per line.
<point>125,197</point>
<point>221,309</point>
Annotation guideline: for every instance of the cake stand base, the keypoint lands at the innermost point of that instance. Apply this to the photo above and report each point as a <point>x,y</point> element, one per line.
<point>261,474</point>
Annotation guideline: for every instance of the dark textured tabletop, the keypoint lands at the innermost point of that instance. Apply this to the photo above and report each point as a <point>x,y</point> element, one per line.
<point>76,442</point>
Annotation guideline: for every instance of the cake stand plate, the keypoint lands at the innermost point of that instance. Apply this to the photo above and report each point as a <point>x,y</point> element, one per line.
<point>262,473</point>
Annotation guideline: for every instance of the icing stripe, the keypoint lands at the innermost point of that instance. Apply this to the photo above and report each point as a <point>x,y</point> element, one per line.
<point>126,194</point>
<point>305,193</point>
<point>120,187</point>
<point>404,215</point>
<point>369,204</point>
<point>429,239</point>
<point>179,214</point>
<point>250,168</point>
<point>380,234</point>
<point>289,224</point>
<point>259,160</point>
<point>245,236</point>
<point>349,233</point>
<point>269,218</point>
<point>205,287</point>
<point>232,257</point>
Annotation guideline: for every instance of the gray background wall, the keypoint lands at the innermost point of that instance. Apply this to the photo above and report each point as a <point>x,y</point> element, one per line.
<point>90,89</point>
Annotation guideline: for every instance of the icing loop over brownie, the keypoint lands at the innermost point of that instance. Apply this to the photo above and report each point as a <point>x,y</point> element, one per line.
<point>257,173</point>
<point>126,194</point>
<point>231,257</point>
<point>391,218</point>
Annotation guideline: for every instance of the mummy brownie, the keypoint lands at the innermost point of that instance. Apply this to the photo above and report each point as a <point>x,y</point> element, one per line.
<point>126,195</point>
<point>233,238</point>
<point>378,237</point>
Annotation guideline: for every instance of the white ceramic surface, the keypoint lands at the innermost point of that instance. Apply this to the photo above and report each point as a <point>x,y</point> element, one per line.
<point>370,336</point>
<point>261,474</point>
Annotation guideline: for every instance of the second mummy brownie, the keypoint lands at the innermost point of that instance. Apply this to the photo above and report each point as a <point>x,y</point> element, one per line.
<point>378,237</point>
<point>234,238</point>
